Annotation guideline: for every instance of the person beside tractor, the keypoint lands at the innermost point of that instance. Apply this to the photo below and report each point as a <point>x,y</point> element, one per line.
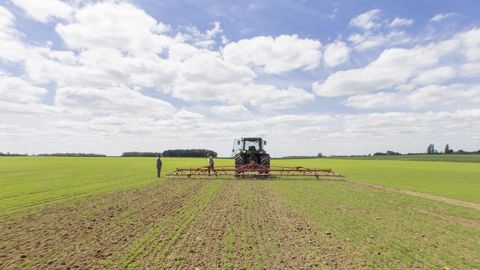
<point>211,164</point>
<point>159,166</point>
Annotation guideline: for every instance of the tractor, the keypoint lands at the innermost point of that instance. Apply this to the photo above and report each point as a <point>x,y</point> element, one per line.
<point>250,152</point>
<point>252,162</point>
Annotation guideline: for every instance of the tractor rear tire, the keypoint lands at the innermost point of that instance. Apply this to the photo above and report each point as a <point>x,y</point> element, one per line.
<point>265,162</point>
<point>239,160</point>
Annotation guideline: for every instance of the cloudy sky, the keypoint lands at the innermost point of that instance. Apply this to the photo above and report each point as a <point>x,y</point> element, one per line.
<point>337,77</point>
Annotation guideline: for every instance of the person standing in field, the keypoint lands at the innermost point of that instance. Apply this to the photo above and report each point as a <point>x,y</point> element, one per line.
<point>211,165</point>
<point>159,166</point>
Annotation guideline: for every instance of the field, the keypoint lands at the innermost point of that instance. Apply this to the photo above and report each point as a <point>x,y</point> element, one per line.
<point>421,157</point>
<point>90,213</point>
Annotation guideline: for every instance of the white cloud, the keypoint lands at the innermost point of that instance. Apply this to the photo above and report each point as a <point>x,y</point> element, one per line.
<point>114,101</point>
<point>214,31</point>
<point>11,48</point>
<point>145,71</point>
<point>436,75</point>
<point>367,40</point>
<point>260,96</point>
<point>44,10</point>
<point>192,35</point>
<point>234,112</point>
<point>442,16</point>
<point>457,95</point>
<point>435,97</point>
<point>275,55</point>
<point>393,68</point>
<point>400,126</point>
<point>470,70</point>
<point>14,89</point>
<point>271,98</point>
<point>401,22</point>
<point>6,20</point>
<point>230,110</point>
<point>123,26</point>
<point>336,53</point>
<point>471,42</point>
<point>367,20</point>
<point>192,74</point>
<point>101,102</point>
<point>20,96</point>
<point>208,67</point>
<point>372,101</point>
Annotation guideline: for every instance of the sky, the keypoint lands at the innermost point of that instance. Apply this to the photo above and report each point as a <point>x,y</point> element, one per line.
<point>331,77</point>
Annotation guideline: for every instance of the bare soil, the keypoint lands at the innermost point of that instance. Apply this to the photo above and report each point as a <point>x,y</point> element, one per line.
<point>85,234</point>
<point>182,224</point>
<point>247,226</point>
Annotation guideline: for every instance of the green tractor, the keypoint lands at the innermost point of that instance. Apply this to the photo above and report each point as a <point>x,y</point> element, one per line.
<point>253,162</point>
<point>251,151</point>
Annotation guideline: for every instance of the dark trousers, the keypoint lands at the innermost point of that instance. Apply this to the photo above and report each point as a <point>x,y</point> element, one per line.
<point>159,169</point>
<point>211,167</point>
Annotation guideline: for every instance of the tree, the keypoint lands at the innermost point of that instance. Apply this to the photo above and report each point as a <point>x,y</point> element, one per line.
<point>320,155</point>
<point>448,150</point>
<point>431,149</point>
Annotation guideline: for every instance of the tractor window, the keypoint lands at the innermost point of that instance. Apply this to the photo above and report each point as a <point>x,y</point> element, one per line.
<point>252,145</point>
<point>237,146</point>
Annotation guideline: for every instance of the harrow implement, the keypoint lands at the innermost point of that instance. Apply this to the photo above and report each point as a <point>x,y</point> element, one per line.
<point>253,171</point>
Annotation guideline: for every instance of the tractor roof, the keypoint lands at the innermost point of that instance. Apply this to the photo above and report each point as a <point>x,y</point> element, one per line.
<point>252,138</point>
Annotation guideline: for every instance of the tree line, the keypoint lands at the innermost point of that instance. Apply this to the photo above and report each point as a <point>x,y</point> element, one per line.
<point>72,155</point>
<point>388,153</point>
<point>8,154</point>
<point>431,150</point>
<point>173,153</point>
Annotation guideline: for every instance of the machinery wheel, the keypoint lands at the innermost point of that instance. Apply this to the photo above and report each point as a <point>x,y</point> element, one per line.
<point>265,162</point>
<point>239,160</point>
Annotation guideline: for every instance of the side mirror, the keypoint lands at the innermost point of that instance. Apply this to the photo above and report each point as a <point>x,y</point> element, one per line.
<point>264,142</point>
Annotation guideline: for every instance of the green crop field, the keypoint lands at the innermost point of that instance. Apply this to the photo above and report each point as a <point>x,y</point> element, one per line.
<point>456,180</point>
<point>115,213</point>
<point>423,157</point>
<point>29,182</point>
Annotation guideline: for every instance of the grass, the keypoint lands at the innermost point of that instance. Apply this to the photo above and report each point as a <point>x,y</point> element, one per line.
<point>421,157</point>
<point>389,228</point>
<point>375,228</point>
<point>30,182</point>
<point>454,180</point>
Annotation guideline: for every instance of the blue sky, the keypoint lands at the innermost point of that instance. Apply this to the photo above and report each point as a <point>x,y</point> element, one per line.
<point>337,77</point>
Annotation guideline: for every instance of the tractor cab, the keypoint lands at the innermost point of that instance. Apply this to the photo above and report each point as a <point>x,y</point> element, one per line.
<point>249,145</point>
<point>251,150</point>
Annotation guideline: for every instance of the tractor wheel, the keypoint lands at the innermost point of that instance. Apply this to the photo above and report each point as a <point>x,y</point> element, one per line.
<point>239,160</point>
<point>265,162</point>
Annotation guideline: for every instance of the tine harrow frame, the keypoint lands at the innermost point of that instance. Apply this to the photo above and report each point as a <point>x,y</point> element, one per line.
<point>253,171</point>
